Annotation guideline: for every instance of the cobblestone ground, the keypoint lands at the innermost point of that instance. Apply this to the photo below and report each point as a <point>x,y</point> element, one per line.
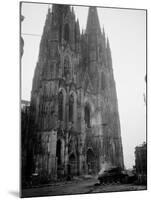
<point>78,187</point>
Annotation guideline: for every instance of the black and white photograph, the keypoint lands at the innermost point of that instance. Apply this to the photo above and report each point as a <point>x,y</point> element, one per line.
<point>83,77</point>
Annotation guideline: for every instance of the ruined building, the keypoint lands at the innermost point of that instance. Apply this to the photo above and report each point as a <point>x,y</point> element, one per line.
<point>141,163</point>
<point>73,99</point>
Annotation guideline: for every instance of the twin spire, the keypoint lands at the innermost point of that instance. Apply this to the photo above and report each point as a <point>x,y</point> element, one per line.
<point>92,27</point>
<point>93,21</point>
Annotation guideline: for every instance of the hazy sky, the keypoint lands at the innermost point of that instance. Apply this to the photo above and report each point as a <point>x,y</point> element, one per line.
<point>126,30</point>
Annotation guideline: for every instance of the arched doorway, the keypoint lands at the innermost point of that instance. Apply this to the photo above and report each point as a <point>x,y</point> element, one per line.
<point>87,115</point>
<point>72,164</point>
<point>71,108</point>
<point>60,106</point>
<point>91,161</point>
<point>58,152</point>
<point>60,168</point>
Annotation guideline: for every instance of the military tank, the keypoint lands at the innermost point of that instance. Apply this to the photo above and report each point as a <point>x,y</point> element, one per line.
<point>112,174</point>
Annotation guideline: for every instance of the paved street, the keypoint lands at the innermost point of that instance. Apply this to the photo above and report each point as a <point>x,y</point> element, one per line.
<point>78,186</point>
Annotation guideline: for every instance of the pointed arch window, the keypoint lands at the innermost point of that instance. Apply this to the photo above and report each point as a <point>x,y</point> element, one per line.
<point>60,106</point>
<point>87,115</point>
<point>67,70</point>
<point>58,152</point>
<point>66,32</point>
<point>71,108</point>
<point>103,81</point>
<point>60,32</point>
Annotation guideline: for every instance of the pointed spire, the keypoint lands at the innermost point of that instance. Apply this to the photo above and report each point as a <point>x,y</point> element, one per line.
<point>73,12</point>
<point>72,9</point>
<point>108,44</point>
<point>47,21</point>
<point>49,9</point>
<point>77,34</point>
<point>45,34</point>
<point>108,51</point>
<point>77,31</point>
<point>78,21</point>
<point>82,31</point>
<point>93,21</point>
<point>77,27</point>
<point>103,38</point>
<point>103,32</point>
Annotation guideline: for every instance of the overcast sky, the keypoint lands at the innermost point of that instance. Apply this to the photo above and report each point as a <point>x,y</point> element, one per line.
<point>126,30</point>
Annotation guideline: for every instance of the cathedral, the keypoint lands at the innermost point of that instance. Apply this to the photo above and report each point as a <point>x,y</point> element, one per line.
<point>73,100</point>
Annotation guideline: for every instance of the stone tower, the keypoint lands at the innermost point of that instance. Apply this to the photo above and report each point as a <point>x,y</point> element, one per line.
<point>73,100</point>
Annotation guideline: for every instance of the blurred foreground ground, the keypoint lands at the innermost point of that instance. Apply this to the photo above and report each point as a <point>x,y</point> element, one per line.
<point>79,186</point>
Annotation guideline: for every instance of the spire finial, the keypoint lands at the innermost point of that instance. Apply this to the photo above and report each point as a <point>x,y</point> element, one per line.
<point>103,31</point>
<point>108,44</point>
<point>49,9</point>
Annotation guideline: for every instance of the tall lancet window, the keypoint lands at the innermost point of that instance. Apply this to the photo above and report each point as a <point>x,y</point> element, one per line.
<point>60,106</point>
<point>71,108</point>
<point>60,33</point>
<point>87,115</point>
<point>66,32</point>
<point>103,81</point>
<point>66,67</point>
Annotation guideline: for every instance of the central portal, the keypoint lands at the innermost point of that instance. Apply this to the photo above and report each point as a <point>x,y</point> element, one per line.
<point>73,164</point>
<point>60,170</point>
<point>91,162</point>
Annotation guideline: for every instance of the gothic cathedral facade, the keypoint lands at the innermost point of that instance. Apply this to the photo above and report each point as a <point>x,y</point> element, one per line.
<point>73,98</point>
